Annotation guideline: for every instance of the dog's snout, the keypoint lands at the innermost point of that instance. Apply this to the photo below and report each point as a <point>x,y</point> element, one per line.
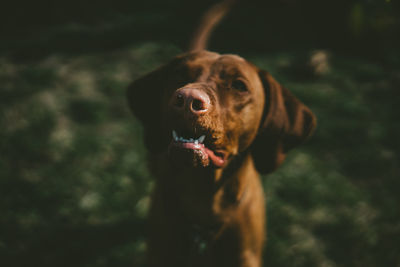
<point>193,101</point>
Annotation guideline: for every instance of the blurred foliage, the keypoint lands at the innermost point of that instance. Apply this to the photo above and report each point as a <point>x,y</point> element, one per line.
<point>74,184</point>
<point>335,201</point>
<point>42,27</point>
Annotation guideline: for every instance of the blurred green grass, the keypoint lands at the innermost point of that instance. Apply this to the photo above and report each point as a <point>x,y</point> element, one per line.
<point>74,180</point>
<point>75,187</point>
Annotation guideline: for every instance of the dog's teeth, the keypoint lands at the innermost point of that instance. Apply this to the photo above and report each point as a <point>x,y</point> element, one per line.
<point>201,138</point>
<point>177,138</point>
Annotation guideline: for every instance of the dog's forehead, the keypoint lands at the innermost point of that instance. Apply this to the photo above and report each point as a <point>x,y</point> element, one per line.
<point>233,66</point>
<point>229,65</point>
<point>208,59</point>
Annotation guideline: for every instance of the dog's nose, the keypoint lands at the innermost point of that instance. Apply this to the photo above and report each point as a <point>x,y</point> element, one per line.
<point>191,100</point>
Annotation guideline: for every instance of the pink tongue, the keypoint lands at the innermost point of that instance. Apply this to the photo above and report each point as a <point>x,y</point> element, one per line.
<point>216,160</point>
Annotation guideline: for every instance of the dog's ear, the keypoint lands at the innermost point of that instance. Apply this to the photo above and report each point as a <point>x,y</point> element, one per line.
<point>286,123</point>
<point>145,101</point>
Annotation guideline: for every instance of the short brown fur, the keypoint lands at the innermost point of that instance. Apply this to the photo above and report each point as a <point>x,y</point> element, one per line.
<point>203,215</point>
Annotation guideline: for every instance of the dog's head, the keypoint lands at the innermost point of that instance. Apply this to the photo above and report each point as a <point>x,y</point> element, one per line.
<point>204,109</point>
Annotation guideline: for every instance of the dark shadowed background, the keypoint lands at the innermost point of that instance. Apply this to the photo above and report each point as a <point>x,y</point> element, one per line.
<point>74,186</point>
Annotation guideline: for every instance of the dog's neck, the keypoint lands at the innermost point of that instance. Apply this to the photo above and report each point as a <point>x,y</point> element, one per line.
<point>205,196</point>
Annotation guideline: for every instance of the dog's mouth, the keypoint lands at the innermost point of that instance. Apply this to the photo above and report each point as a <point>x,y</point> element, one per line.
<point>196,151</point>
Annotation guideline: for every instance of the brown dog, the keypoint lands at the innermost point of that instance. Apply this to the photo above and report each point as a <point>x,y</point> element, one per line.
<point>212,123</point>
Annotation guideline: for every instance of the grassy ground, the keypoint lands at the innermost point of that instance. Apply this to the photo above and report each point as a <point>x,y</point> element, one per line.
<point>74,187</point>
<point>74,183</point>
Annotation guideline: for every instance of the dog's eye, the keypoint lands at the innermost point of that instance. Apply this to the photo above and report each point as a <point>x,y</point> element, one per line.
<point>239,85</point>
